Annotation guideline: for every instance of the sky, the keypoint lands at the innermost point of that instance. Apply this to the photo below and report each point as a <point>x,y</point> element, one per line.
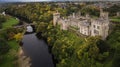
<point>49,0</point>
<point>23,0</point>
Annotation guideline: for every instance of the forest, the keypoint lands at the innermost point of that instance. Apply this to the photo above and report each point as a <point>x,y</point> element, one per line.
<point>69,49</point>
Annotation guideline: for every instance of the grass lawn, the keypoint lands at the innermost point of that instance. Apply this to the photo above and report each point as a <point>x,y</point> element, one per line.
<point>115,20</point>
<point>9,59</point>
<point>13,44</point>
<point>10,22</point>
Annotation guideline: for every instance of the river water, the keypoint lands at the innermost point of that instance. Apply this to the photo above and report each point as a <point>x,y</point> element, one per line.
<point>37,50</point>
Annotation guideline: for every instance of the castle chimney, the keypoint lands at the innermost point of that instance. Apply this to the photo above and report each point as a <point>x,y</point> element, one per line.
<point>63,17</point>
<point>118,13</point>
<point>56,16</point>
<point>73,15</point>
<point>79,13</point>
<point>101,12</point>
<point>57,11</point>
<point>87,15</point>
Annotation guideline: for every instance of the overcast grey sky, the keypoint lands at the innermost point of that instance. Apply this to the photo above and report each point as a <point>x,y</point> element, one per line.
<point>49,0</point>
<point>22,0</point>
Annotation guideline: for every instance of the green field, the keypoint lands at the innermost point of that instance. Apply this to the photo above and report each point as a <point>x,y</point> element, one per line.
<point>10,22</point>
<point>115,20</point>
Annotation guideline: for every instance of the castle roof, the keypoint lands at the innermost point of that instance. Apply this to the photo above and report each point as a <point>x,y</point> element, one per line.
<point>85,23</point>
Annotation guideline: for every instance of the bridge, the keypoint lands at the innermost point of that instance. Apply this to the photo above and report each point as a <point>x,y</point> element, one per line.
<point>24,25</point>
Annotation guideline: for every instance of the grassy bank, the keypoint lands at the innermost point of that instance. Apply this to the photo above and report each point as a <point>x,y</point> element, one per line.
<point>115,20</point>
<point>10,22</point>
<point>10,58</point>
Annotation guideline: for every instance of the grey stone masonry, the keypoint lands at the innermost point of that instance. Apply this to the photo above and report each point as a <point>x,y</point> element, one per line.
<point>87,26</point>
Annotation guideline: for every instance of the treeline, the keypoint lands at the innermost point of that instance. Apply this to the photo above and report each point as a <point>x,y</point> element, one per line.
<point>33,12</point>
<point>113,10</point>
<point>43,12</point>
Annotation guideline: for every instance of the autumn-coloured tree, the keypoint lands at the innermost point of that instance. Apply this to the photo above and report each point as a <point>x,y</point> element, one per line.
<point>18,36</point>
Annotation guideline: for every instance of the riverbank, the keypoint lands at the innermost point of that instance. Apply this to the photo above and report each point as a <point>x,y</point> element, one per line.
<point>11,21</point>
<point>23,61</point>
<point>9,35</point>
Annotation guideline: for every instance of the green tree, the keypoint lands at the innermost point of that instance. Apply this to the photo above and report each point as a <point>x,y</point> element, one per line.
<point>116,58</point>
<point>4,47</point>
<point>18,37</point>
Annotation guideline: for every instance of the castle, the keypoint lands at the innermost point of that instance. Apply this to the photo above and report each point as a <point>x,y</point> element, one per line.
<point>86,25</point>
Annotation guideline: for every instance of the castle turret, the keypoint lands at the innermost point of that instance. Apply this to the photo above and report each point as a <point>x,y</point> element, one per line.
<point>87,16</point>
<point>103,15</point>
<point>79,13</point>
<point>105,23</point>
<point>118,14</point>
<point>73,15</point>
<point>56,16</point>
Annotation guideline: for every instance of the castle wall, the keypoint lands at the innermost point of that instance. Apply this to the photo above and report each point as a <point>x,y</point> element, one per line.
<point>84,30</point>
<point>105,30</point>
<point>64,26</point>
<point>95,28</point>
<point>100,28</point>
<point>87,26</point>
<point>56,16</point>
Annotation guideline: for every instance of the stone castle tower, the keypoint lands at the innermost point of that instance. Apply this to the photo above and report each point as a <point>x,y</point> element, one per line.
<point>56,16</point>
<point>103,14</point>
<point>101,25</point>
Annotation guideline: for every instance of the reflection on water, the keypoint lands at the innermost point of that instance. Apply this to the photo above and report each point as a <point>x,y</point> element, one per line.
<point>37,50</point>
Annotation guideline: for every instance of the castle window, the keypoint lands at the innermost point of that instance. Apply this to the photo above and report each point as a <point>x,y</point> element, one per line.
<point>98,27</point>
<point>94,26</point>
<point>106,27</point>
<point>96,32</point>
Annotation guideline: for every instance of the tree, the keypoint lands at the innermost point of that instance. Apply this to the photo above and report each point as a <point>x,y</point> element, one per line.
<point>42,27</point>
<point>4,47</point>
<point>18,37</point>
<point>2,20</point>
<point>92,10</point>
<point>113,9</point>
<point>116,58</point>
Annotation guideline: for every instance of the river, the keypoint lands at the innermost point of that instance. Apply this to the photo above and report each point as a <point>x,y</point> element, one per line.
<point>37,50</point>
